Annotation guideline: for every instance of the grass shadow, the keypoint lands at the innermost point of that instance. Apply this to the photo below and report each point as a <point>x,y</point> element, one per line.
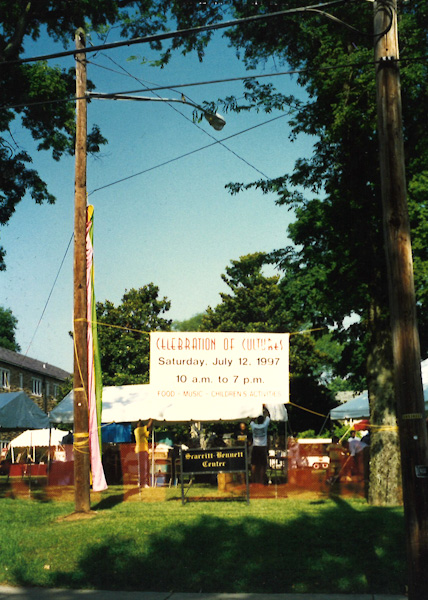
<point>108,502</point>
<point>313,552</point>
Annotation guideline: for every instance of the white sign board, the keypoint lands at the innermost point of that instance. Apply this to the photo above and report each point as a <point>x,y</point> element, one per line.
<point>220,366</point>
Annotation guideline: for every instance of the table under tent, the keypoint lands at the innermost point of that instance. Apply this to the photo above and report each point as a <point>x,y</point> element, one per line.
<point>125,405</point>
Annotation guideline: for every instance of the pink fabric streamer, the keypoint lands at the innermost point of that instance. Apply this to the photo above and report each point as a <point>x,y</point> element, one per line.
<point>99,482</point>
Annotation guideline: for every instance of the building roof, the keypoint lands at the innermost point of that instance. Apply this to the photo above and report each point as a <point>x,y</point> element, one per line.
<point>31,364</point>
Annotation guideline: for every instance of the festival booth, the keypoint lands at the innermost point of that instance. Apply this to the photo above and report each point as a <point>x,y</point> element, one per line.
<point>32,450</point>
<point>127,404</point>
<point>18,411</point>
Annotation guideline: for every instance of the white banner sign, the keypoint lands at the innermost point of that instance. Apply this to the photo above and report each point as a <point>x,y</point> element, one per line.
<point>220,366</point>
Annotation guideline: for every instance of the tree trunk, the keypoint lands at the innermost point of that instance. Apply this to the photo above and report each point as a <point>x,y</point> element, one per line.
<point>385,467</point>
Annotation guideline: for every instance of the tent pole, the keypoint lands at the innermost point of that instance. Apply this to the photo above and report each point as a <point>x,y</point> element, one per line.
<point>49,450</point>
<point>139,473</point>
<point>285,450</point>
<point>153,457</point>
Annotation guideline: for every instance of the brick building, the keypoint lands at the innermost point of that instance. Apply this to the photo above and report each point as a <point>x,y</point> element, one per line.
<point>40,380</point>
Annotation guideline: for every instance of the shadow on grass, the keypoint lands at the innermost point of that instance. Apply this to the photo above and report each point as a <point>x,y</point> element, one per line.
<point>19,487</point>
<point>337,549</point>
<point>109,502</point>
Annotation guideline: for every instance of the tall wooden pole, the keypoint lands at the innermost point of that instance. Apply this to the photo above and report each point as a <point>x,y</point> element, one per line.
<point>81,421</point>
<point>405,339</point>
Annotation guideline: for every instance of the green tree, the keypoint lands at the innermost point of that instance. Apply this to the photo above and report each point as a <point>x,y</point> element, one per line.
<point>123,334</point>
<point>255,303</point>
<point>338,255</point>
<point>8,325</point>
<point>192,324</point>
<point>29,92</point>
<point>338,231</point>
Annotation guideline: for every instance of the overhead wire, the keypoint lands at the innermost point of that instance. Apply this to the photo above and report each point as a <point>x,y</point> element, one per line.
<point>177,86</point>
<point>184,155</point>
<point>179,33</point>
<point>193,122</point>
<point>50,294</point>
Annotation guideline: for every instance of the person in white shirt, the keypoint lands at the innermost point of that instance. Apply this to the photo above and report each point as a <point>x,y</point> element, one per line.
<point>355,447</point>
<point>259,454</point>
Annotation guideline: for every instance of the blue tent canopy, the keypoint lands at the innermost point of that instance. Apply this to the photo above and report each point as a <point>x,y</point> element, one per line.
<point>358,407</point>
<point>18,411</point>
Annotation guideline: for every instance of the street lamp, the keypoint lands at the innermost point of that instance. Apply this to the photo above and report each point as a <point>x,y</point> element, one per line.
<point>80,324</point>
<point>214,119</point>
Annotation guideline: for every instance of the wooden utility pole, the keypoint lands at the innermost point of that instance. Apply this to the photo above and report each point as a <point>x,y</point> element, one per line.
<point>405,339</point>
<point>81,420</point>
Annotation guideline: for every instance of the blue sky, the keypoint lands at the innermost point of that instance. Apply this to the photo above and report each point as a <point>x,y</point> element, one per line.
<point>174,225</point>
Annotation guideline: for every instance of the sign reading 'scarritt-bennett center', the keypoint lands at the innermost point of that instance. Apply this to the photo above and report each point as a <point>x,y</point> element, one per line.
<point>214,460</point>
<point>219,365</point>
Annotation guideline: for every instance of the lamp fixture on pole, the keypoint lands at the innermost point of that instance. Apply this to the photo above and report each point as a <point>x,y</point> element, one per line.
<point>214,119</point>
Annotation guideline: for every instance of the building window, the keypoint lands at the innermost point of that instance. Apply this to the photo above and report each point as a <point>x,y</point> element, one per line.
<point>47,389</point>
<point>37,386</point>
<point>55,390</point>
<point>4,379</point>
<point>21,381</point>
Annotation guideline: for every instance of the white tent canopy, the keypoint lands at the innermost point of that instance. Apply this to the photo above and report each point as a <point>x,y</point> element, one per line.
<point>38,438</point>
<point>129,403</point>
<point>358,408</point>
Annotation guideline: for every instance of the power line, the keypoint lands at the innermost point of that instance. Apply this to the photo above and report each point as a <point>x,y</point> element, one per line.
<point>174,87</point>
<point>50,294</point>
<point>185,155</point>
<point>179,33</point>
<point>194,123</point>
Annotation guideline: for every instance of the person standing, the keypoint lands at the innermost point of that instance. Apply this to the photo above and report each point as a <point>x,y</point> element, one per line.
<point>259,454</point>
<point>141,434</point>
<point>355,447</point>
<point>336,454</point>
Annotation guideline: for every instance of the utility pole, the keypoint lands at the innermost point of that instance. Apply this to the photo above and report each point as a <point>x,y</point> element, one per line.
<point>405,339</point>
<point>80,325</point>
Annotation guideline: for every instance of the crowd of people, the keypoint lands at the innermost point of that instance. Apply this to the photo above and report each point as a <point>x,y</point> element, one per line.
<point>349,459</point>
<point>253,435</point>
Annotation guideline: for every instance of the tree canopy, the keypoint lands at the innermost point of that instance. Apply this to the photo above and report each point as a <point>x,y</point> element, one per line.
<point>32,93</point>
<point>8,325</point>
<point>337,264</point>
<point>255,303</point>
<point>123,334</point>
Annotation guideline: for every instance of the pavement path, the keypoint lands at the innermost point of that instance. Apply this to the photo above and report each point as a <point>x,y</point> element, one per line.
<point>18,593</point>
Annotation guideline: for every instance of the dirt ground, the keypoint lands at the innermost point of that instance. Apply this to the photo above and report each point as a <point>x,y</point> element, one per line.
<point>37,489</point>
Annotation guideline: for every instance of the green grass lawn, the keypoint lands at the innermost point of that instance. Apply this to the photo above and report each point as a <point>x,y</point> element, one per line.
<point>328,545</point>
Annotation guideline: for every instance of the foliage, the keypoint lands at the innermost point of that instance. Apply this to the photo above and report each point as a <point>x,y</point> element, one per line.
<point>311,433</point>
<point>8,325</point>
<point>337,267</point>
<point>123,334</point>
<point>192,324</point>
<point>256,303</point>
<point>30,91</point>
<point>337,263</point>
